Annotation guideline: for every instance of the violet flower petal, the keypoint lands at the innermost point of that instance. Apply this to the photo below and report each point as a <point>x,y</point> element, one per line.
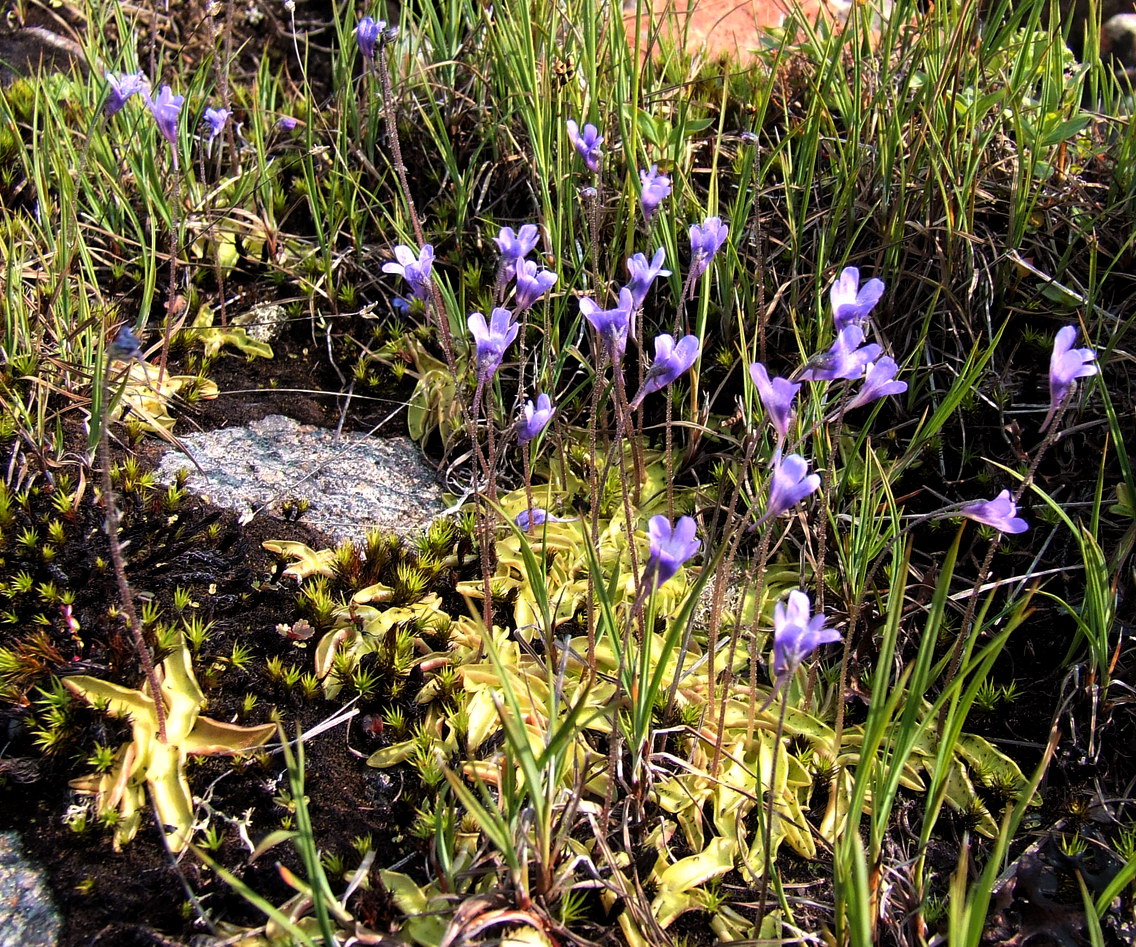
<point>669,547</point>
<point>1066,365</point>
<point>705,241</point>
<point>656,187</point>
<point>671,360</point>
<point>491,340</point>
<point>1001,513</point>
<point>852,303</point>
<point>796,635</point>
<point>878,383</point>
<point>536,417</point>
<point>776,396</point>
<point>790,483</point>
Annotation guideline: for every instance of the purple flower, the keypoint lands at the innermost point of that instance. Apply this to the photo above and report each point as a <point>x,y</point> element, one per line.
<point>776,396</point>
<point>850,303</point>
<point>1001,513</point>
<point>367,35</point>
<point>671,360</point>
<point>120,88</point>
<point>790,484</point>
<point>535,418</point>
<point>216,119</point>
<point>878,383</point>
<point>531,285</point>
<point>586,144</point>
<point>796,635</point>
<point>1066,365</point>
<point>125,345</point>
<point>643,274</point>
<point>538,517</point>
<point>655,189</point>
<point>846,359</point>
<point>492,339</point>
<point>286,123</point>
<point>165,109</point>
<point>415,271</point>
<point>515,247</point>
<point>704,243</point>
<point>611,325</point>
<point>668,549</point>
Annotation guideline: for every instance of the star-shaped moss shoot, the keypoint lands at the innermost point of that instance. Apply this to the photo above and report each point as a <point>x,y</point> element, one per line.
<point>146,761</point>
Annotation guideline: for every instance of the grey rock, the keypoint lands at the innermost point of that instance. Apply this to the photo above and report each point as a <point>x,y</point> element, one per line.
<point>28,917</point>
<point>352,483</point>
<point>1118,40</point>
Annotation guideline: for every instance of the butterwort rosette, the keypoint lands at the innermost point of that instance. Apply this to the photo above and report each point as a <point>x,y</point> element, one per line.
<point>1066,365</point>
<point>790,483</point>
<point>852,303</point>
<point>611,325</point>
<point>587,143</point>
<point>796,634</point>
<point>847,358</point>
<point>643,274</point>
<point>491,340</point>
<point>534,418</point>
<point>705,241</point>
<point>669,547</point>
<point>1001,513</point>
<point>777,395</point>
<point>656,188</point>
<point>531,284</point>
<point>671,360</point>
<point>121,87</point>
<point>879,382</point>
<point>166,108</point>
<point>414,269</point>
<point>515,247</point>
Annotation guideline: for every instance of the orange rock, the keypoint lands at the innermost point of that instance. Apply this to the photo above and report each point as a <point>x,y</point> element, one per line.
<point>721,27</point>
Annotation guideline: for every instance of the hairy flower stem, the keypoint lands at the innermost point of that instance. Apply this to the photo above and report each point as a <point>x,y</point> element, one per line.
<point>119,563</point>
<point>592,213</point>
<point>720,578</point>
<point>735,635</point>
<point>528,487</point>
<point>223,82</point>
<point>395,145</point>
<point>767,841</point>
<point>171,292</point>
<point>623,419</point>
<point>762,316</point>
<point>996,540</point>
<point>391,122</point>
<point>826,500</point>
<point>822,538</point>
<point>486,510</point>
<point>222,58</point>
<point>594,499</point>
<point>629,522</point>
<point>669,447</point>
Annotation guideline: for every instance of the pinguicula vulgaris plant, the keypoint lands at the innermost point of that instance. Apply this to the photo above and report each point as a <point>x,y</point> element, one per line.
<point>777,497</point>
